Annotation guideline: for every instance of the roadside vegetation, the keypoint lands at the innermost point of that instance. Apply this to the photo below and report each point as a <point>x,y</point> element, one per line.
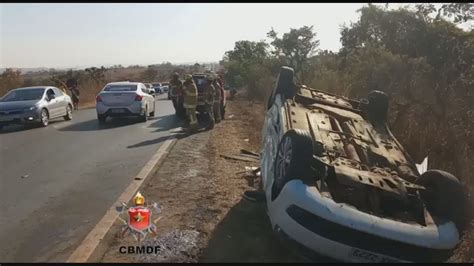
<point>91,80</point>
<point>419,56</point>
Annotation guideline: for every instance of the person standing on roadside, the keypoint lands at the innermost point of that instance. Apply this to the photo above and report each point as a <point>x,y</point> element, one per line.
<point>190,102</point>
<point>176,89</point>
<point>71,84</point>
<point>209,92</point>
<point>217,99</point>
<point>75,97</point>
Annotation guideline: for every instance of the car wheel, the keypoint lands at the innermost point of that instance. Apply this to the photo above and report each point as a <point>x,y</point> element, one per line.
<point>444,196</point>
<point>44,118</point>
<point>68,115</point>
<point>144,117</point>
<point>285,85</point>
<point>294,153</point>
<point>377,107</point>
<point>101,118</point>
<point>153,113</point>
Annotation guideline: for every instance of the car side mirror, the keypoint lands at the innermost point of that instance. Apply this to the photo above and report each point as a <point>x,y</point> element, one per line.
<point>50,97</point>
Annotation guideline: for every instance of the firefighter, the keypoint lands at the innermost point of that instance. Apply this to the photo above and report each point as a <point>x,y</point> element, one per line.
<point>176,89</point>
<point>217,99</point>
<point>209,92</point>
<point>190,102</point>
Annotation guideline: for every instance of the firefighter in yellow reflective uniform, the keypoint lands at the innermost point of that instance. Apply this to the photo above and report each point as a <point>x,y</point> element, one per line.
<point>190,101</point>
<point>209,93</point>
<point>217,99</point>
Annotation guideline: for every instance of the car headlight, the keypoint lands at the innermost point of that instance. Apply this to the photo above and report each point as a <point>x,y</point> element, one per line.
<point>30,108</point>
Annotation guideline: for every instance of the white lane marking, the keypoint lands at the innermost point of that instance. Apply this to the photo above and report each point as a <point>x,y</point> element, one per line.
<point>90,243</point>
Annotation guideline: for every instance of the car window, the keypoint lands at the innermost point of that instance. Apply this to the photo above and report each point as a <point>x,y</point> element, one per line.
<point>23,95</point>
<point>58,92</point>
<point>50,92</point>
<point>121,88</point>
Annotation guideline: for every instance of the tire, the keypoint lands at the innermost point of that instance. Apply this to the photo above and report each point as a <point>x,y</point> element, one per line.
<point>444,196</point>
<point>152,114</point>
<point>44,118</point>
<point>377,107</point>
<point>144,117</point>
<point>296,146</point>
<point>101,118</point>
<point>68,115</point>
<point>285,85</point>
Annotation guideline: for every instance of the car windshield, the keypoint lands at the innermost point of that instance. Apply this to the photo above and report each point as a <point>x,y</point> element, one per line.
<point>23,95</point>
<point>199,81</point>
<point>121,88</point>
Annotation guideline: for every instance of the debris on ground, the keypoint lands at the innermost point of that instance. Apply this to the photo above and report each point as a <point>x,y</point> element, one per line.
<point>247,152</point>
<point>173,246</point>
<point>239,158</point>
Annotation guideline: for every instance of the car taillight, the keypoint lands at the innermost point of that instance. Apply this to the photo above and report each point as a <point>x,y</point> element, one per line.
<point>98,99</point>
<point>138,98</point>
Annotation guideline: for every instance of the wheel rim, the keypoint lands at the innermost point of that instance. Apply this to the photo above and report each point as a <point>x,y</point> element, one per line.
<point>283,160</point>
<point>44,117</point>
<point>69,111</point>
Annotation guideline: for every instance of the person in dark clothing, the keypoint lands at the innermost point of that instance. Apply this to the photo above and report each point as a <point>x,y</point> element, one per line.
<point>75,97</point>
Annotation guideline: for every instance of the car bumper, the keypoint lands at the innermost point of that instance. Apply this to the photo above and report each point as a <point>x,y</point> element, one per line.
<point>21,118</point>
<point>135,109</point>
<point>347,234</point>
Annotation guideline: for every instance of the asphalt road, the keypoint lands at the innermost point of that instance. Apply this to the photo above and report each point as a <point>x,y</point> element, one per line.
<point>57,182</point>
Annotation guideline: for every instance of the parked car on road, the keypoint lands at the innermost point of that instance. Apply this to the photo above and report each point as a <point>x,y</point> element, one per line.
<point>118,99</point>
<point>150,89</point>
<point>165,86</point>
<point>338,182</point>
<point>37,104</point>
<point>157,87</point>
<point>201,83</point>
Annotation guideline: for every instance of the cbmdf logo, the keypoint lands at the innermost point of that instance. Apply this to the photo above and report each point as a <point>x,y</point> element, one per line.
<point>139,222</point>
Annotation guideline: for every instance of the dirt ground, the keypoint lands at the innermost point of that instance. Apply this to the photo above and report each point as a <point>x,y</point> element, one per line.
<point>200,194</point>
<point>204,217</point>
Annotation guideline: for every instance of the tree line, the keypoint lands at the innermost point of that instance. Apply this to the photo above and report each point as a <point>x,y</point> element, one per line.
<point>418,55</point>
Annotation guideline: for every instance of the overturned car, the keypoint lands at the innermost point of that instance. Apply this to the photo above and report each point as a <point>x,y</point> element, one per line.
<point>337,181</point>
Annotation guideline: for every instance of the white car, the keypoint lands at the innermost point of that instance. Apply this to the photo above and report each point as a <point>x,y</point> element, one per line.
<point>337,182</point>
<point>118,99</point>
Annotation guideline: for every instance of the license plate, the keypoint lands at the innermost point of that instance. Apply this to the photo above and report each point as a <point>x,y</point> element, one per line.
<point>366,256</point>
<point>118,111</point>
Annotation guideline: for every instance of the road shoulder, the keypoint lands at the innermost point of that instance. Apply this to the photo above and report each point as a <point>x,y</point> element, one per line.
<point>200,193</point>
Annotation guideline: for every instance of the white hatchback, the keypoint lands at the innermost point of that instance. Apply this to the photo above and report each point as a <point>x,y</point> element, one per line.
<point>119,99</point>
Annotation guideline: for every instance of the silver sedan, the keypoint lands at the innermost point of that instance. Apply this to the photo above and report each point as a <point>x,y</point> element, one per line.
<point>119,99</point>
<point>34,105</point>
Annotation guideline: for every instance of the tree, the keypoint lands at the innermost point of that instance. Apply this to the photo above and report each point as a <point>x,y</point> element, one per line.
<point>97,74</point>
<point>295,47</point>
<point>462,12</point>
<point>150,74</point>
<point>239,61</point>
<point>10,79</point>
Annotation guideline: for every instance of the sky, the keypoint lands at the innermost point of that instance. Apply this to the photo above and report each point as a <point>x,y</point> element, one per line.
<point>88,34</point>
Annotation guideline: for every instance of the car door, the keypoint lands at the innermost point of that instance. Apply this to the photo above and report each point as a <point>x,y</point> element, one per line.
<point>150,102</point>
<point>53,104</point>
<point>147,97</point>
<point>62,103</point>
